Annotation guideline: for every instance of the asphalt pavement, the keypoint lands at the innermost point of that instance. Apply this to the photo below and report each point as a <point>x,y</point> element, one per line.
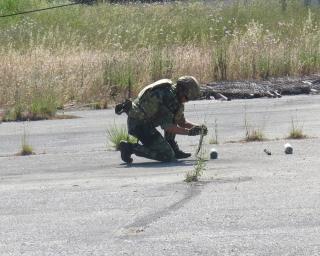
<point>74,196</point>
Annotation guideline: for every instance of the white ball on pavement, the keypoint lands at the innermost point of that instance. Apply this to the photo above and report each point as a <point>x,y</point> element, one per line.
<point>288,149</point>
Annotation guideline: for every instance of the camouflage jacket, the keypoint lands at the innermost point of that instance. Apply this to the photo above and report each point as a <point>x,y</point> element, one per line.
<point>158,104</point>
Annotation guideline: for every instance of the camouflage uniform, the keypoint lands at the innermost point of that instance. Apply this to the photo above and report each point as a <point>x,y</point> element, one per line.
<point>156,105</point>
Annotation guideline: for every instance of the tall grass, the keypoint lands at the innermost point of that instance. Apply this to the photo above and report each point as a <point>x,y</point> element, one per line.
<point>89,53</point>
<point>38,106</point>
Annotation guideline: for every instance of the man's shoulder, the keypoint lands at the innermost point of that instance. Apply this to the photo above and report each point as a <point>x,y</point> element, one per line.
<point>163,84</point>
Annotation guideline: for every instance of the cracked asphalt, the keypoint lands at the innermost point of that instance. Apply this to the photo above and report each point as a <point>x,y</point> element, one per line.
<point>75,197</point>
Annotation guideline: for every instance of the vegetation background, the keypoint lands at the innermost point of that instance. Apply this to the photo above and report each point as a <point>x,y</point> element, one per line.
<point>95,53</point>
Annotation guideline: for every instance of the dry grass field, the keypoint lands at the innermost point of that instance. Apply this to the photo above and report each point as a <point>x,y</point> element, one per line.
<point>95,53</point>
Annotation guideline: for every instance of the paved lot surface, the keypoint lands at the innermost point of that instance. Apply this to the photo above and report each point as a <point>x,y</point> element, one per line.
<point>75,197</point>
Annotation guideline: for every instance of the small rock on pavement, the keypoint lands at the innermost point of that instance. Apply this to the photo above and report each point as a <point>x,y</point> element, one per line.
<point>268,152</point>
<point>213,153</point>
<point>288,149</point>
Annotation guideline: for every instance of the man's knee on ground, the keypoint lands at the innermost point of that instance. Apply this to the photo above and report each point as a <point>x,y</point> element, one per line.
<point>166,156</point>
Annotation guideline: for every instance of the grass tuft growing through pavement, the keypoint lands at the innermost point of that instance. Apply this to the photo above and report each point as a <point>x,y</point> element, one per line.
<point>214,138</point>
<point>26,148</point>
<point>198,168</point>
<point>252,133</point>
<point>296,132</point>
<point>116,133</point>
<point>195,174</point>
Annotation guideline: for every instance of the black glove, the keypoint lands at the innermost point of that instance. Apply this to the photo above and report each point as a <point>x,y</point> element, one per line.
<point>204,129</point>
<point>197,130</point>
<point>125,107</point>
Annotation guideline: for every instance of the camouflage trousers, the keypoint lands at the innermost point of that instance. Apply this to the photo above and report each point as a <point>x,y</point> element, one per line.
<point>153,144</point>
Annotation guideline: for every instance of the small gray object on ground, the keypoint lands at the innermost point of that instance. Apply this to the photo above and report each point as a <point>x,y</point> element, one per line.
<point>222,97</point>
<point>288,148</point>
<point>213,153</point>
<point>277,94</point>
<point>268,152</point>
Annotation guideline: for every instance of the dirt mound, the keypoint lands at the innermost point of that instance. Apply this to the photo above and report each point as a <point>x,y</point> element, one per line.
<point>272,88</point>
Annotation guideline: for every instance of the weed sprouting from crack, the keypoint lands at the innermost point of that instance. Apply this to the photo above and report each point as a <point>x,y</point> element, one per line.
<point>26,148</point>
<point>195,174</point>
<point>296,131</point>
<point>198,168</point>
<point>214,138</point>
<point>252,133</point>
<point>117,133</point>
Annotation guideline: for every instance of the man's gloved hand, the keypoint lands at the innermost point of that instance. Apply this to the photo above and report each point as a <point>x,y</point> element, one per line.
<point>204,129</point>
<point>197,130</point>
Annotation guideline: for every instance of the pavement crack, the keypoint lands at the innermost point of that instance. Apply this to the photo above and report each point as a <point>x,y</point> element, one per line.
<point>192,190</point>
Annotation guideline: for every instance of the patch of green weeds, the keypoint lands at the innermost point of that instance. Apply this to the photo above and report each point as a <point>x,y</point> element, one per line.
<point>26,148</point>
<point>43,106</point>
<point>252,133</point>
<point>195,174</point>
<point>214,138</point>
<point>40,106</point>
<point>117,133</point>
<point>198,168</point>
<point>296,131</point>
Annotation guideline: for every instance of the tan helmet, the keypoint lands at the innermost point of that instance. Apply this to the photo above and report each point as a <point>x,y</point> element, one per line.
<point>189,87</point>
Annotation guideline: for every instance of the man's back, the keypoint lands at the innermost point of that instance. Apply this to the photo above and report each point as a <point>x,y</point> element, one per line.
<point>157,103</point>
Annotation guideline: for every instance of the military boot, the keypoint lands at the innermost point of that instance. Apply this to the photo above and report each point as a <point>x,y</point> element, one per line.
<point>126,150</point>
<point>179,153</point>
